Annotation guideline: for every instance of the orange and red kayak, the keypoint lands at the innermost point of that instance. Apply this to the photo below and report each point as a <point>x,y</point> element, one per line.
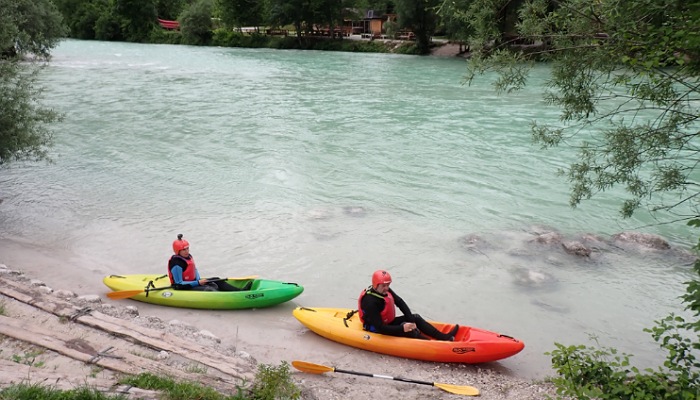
<point>471,345</point>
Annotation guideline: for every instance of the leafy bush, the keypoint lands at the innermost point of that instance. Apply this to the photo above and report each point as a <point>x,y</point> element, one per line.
<point>107,26</point>
<point>408,48</point>
<point>195,23</point>
<point>598,373</point>
<point>169,9</point>
<point>81,16</point>
<point>228,38</point>
<point>274,383</point>
<point>164,36</point>
<point>362,46</point>
<point>136,18</point>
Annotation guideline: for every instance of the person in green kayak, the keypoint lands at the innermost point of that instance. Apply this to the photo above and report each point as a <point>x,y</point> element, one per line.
<point>184,275</point>
<point>377,307</point>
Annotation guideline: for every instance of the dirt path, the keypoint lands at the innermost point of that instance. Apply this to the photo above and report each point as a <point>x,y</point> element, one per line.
<point>448,50</point>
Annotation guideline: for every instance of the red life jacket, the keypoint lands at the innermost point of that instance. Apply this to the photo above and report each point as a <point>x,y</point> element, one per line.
<point>188,274</point>
<point>388,313</point>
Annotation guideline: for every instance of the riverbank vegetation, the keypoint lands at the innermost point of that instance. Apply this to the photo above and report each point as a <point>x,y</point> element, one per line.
<point>270,383</point>
<point>280,24</point>
<point>28,31</point>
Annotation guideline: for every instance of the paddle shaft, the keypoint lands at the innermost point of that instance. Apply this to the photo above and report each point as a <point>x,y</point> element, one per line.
<point>320,369</point>
<point>172,286</point>
<point>384,377</point>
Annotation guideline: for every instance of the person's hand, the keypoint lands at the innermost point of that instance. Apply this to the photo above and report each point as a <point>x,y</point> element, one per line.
<point>202,282</point>
<point>408,326</point>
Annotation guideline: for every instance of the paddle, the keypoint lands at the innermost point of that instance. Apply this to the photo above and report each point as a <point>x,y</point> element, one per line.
<point>125,294</point>
<point>319,369</point>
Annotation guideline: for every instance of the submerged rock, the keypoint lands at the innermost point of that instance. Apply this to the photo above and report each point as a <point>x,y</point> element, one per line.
<point>473,242</point>
<point>646,240</point>
<point>549,238</point>
<point>320,214</point>
<point>532,278</point>
<point>355,211</point>
<point>576,248</point>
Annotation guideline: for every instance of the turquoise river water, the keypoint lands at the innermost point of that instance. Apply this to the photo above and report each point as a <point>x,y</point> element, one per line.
<point>318,168</point>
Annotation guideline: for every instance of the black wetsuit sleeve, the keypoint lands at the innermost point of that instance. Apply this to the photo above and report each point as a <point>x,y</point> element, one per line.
<point>372,307</point>
<point>402,306</point>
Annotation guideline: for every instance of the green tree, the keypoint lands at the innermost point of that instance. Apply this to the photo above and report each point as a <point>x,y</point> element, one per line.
<point>626,76</point>
<point>195,23</point>
<point>169,9</point>
<point>421,17</point>
<point>239,13</point>
<point>453,19</point>
<point>136,18</point>
<point>115,20</point>
<point>486,24</point>
<point>81,16</point>
<point>29,29</point>
<point>108,25</point>
<point>290,12</point>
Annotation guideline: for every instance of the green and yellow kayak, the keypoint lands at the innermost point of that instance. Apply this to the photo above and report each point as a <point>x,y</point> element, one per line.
<point>156,289</point>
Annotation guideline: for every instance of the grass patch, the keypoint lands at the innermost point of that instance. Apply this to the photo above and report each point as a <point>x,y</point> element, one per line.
<point>270,383</point>
<point>196,369</point>
<point>407,48</point>
<point>36,391</point>
<point>174,390</point>
<point>95,370</point>
<point>29,358</point>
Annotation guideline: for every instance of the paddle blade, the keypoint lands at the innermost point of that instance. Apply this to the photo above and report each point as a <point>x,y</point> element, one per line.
<point>311,368</point>
<point>124,294</point>
<point>457,389</point>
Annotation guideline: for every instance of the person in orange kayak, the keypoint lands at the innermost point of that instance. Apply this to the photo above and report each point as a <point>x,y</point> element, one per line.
<point>377,306</point>
<point>184,275</point>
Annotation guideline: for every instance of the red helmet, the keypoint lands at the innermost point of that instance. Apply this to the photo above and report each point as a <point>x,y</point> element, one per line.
<point>180,244</point>
<point>380,276</point>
